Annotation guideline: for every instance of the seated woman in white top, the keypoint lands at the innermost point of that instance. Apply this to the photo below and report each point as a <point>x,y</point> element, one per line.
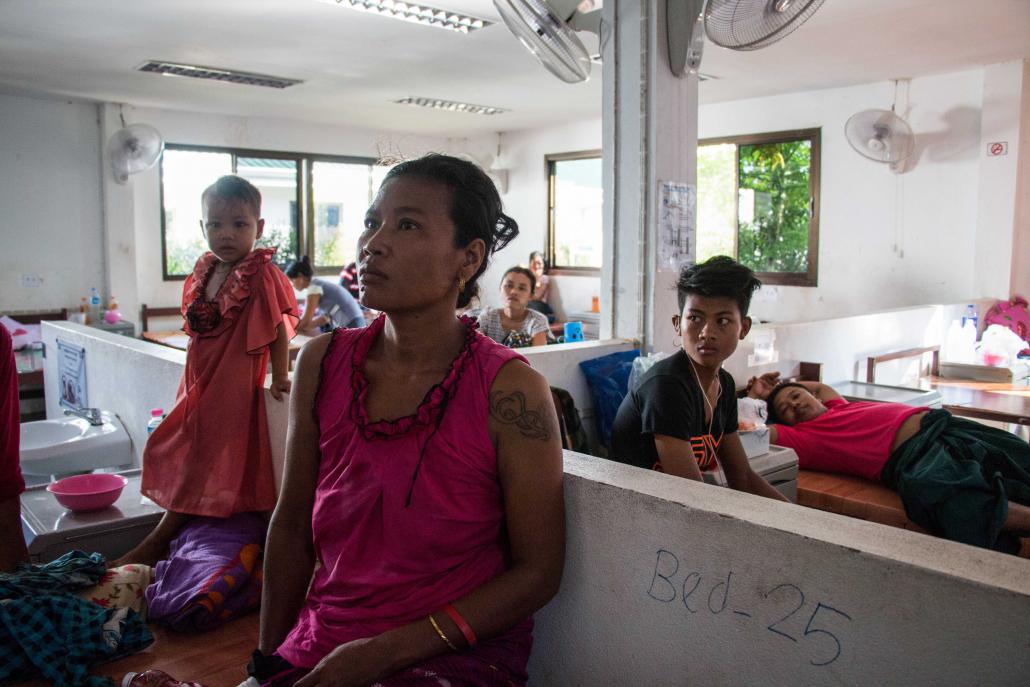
<point>514,324</point>
<point>326,304</point>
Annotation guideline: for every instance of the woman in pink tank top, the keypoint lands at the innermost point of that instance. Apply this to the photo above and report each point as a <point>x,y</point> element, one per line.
<point>421,519</point>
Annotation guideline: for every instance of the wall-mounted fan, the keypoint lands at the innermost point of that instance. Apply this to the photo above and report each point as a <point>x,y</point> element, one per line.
<point>880,135</point>
<point>493,164</point>
<point>548,30</point>
<point>734,24</point>
<point>133,149</point>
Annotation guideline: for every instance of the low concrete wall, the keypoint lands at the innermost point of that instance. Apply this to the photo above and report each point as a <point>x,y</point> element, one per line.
<point>672,582</point>
<point>125,376</point>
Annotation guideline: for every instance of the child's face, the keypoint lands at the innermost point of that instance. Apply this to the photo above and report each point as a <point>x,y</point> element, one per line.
<point>231,228</point>
<point>794,405</point>
<point>711,327</point>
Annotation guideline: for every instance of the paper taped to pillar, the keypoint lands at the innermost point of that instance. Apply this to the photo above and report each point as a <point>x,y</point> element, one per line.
<point>71,373</point>
<point>677,213</point>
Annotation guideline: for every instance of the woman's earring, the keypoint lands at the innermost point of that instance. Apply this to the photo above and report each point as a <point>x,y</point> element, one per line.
<point>461,284</point>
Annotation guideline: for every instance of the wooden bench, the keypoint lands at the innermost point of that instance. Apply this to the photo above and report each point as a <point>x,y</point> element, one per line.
<point>859,498</point>
<point>146,312</point>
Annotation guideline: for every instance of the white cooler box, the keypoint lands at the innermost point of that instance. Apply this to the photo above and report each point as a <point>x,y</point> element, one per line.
<point>778,466</point>
<point>51,531</point>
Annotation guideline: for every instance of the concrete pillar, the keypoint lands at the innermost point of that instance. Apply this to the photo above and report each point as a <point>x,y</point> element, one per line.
<point>119,226</point>
<point>650,136</point>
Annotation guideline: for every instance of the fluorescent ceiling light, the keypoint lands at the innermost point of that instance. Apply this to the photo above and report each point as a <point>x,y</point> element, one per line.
<point>450,105</point>
<point>419,14</point>
<point>216,74</point>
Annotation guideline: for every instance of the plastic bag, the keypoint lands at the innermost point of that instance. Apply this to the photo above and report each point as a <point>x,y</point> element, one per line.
<point>608,381</point>
<point>999,346</point>
<point>751,413</point>
<point>641,365</point>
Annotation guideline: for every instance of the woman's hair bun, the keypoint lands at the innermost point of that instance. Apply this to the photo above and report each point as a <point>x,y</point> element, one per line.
<point>506,230</point>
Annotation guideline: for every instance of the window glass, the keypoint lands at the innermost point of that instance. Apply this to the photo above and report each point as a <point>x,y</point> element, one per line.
<point>774,206</point>
<point>184,176</point>
<point>341,193</point>
<point>277,181</point>
<point>757,201</point>
<point>576,212</point>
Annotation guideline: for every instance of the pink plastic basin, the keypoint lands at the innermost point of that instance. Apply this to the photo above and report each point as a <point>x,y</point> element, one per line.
<point>88,492</point>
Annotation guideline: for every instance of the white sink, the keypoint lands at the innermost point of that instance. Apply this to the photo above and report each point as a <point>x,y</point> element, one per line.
<point>71,444</point>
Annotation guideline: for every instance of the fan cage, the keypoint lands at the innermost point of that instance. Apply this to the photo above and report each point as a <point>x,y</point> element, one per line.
<point>754,24</point>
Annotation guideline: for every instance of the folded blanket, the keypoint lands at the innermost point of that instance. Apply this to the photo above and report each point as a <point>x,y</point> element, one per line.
<point>212,575</point>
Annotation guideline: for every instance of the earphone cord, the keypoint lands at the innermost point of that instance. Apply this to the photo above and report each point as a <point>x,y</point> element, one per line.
<point>711,407</point>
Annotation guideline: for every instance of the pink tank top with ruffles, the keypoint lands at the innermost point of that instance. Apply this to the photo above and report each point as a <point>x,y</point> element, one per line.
<point>385,560</point>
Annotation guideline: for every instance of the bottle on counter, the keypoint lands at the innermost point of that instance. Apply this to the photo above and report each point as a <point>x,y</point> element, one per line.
<point>84,311</point>
<point>971,316</point>
<point>95,311</point>
<point>156,416</point>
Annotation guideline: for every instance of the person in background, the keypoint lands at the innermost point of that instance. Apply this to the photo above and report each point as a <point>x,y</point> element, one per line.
<point>421,521</point>
<point>349,279</point>
<point>12,541</point>
<point>542,291</point>
<point>543,282</point>
<point>682,418</point>
<point>514,324</point>
<point>957,478</point>
<point>327,304</point>
<point>209,462</point>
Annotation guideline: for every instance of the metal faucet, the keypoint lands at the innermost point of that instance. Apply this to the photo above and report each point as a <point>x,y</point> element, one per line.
<point>92,415</point>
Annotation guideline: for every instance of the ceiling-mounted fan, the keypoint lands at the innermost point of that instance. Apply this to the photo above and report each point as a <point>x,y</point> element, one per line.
<point>547,28</point>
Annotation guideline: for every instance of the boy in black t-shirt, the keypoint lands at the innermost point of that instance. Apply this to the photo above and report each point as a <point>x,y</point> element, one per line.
<point>682,417</point>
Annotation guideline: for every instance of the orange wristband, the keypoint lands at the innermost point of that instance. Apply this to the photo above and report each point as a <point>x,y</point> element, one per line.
<point>465,628</point>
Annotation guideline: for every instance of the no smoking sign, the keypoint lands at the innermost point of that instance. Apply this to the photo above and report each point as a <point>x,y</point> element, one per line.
<point>997,148</point>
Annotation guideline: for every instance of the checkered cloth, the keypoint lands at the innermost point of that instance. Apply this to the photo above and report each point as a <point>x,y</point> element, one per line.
<point>44,627</point>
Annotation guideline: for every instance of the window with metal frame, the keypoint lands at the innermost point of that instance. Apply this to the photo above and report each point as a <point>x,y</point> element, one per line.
<point>574,211</point>
<point>312,204</point>
<point>758,201</point>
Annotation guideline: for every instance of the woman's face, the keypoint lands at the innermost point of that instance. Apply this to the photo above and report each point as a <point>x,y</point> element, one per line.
<point>407,258</point>
<point>300,282</point>
<point>515,290</point>
<point>537,265</point>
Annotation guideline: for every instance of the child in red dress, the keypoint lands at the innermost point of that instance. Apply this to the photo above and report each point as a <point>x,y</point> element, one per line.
<point>211,455</point>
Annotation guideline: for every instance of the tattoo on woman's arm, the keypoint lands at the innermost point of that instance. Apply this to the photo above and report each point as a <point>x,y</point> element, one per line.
<point>510,409</point>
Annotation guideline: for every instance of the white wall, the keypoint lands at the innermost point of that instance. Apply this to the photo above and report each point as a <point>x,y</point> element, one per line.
<point>526,200</point>
<point>886,240</point>
<point>50,202</point>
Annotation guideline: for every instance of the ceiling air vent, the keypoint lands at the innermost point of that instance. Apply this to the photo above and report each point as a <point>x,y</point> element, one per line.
<point>450,105</point>
<point>216,74</point>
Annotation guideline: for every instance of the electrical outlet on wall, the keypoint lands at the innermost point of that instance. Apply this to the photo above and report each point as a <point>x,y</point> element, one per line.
<point>31,281</point>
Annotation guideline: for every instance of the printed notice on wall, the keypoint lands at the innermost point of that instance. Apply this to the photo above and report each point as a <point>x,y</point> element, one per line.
<point>677,211</point>
<point>71,373</point>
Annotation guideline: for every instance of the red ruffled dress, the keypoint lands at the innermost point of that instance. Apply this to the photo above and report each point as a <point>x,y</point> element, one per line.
<point>211,455</point>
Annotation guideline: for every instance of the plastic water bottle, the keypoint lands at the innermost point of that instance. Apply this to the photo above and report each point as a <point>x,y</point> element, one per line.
<point>971,316</point>
<point>156,415</point>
